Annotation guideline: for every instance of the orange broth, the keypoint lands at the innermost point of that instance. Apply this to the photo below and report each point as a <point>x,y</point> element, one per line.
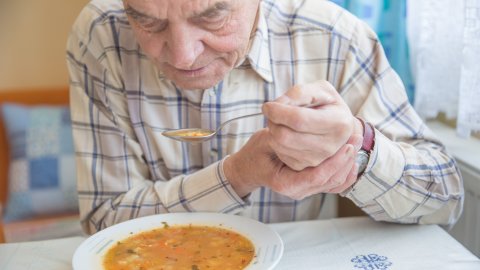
<point>181,247</point>
<point>195,133</point>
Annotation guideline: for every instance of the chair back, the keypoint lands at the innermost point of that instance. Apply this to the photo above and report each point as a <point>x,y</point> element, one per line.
<point>32,96</point>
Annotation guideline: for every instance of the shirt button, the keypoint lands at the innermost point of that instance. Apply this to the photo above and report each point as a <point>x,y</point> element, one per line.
<point>211,93</point>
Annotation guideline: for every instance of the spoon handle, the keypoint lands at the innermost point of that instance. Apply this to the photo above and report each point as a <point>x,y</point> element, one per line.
<point>258,114</point>
<point>236,118</point>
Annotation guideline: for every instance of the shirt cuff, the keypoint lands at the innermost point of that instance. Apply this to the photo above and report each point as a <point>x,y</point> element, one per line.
<point>384,170</point>
<point>208,190</point>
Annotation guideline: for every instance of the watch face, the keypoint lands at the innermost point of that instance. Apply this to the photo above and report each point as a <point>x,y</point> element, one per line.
<point>362,161</point>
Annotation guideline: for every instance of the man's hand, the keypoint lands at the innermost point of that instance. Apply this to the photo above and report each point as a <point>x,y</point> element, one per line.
<point>306,137</point>
<point>304,151</point>
<point>257,165</point>
<point>334,175</point>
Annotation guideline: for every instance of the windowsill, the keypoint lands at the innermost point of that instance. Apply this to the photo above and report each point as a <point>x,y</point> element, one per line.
<point>465,151</point>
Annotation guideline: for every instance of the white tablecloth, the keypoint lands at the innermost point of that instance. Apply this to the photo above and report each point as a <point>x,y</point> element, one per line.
<point>347,243</point>
<point>361,243</point>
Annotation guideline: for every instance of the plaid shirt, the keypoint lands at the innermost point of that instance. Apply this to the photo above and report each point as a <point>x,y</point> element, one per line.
<point>120,104</point>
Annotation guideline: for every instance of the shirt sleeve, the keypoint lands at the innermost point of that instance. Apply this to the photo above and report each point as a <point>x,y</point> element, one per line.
<point>410,178</point>
<point>113,177</point>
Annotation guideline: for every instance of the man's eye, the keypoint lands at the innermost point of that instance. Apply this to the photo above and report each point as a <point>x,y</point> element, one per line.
<point>152,26</point>
<point>215,22</point>
<point>215,16</point>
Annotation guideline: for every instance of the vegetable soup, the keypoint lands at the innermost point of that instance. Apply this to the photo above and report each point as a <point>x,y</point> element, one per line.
<point>193,133</point>
<point>181,247</point>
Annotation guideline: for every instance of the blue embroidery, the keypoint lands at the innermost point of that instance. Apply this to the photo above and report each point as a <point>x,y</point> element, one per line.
<point>371,262</point>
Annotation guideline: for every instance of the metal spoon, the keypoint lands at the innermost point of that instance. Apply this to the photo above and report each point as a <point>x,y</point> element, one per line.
<point>193,135</point>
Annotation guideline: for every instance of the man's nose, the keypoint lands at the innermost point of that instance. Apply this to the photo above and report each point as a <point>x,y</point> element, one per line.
<point>184,46</point>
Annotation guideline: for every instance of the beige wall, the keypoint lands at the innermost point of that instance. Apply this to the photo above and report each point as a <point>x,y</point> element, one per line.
<point>33,35</point>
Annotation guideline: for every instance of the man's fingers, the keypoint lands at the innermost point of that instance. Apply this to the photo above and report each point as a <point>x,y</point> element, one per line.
<point>300,145</point>
<point>291,183</point>
<point>300,119</point>
<point>301,95</point>
<point>356,141</point>
<point>337,162</point>
<point>341,176</point>
<point>298,185</point>
<point>292,163</point>
<point>350,179</point>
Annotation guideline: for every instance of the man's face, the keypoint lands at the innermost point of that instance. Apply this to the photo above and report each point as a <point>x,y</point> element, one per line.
<point>194,43</point>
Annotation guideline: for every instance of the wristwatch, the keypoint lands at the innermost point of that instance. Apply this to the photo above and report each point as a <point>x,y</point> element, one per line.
<point>363,155</point>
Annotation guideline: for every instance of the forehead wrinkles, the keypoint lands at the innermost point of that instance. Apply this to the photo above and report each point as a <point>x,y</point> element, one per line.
<point>193,7</point>
<point>152,8</point>
<point>172,9</point>
<point>190,8</point>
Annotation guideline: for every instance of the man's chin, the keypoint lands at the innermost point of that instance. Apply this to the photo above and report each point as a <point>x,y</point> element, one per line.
<point>199,84</point>
<point>202,78</point>
<point>202,81</point>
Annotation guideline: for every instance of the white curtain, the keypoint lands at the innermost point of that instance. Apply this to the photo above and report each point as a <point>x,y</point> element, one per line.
<point>444,42</point>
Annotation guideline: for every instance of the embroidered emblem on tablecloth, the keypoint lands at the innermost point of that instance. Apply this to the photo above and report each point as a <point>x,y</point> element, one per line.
<point>371,262</point>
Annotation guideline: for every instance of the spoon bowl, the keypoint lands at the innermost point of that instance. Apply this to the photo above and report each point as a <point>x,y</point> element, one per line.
<point>197,135</point>
<point>190,134</point>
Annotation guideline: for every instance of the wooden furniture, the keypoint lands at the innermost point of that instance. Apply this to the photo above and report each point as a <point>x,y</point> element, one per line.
<point>2,234</point>
<point>41,96</point>
<point>346,208</point>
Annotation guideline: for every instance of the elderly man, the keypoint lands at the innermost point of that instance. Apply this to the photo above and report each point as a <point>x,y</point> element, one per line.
<point>140,67</point>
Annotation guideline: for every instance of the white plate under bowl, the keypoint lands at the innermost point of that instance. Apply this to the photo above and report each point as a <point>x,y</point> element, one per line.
<point>268,244</point>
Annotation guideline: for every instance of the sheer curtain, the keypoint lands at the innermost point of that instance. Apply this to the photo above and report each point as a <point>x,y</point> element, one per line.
<point>434,45</point>
<point>444,38</point>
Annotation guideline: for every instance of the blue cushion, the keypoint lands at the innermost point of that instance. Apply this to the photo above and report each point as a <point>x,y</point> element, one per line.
<point>42,164</point>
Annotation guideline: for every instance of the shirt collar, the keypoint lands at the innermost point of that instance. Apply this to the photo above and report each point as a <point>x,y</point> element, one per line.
<point>259,54</point>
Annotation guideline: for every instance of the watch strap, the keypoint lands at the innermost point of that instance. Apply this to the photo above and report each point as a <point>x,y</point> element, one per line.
<point>368,136</point>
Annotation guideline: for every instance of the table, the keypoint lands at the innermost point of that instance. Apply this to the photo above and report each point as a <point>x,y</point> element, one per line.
<point>343,243</point>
